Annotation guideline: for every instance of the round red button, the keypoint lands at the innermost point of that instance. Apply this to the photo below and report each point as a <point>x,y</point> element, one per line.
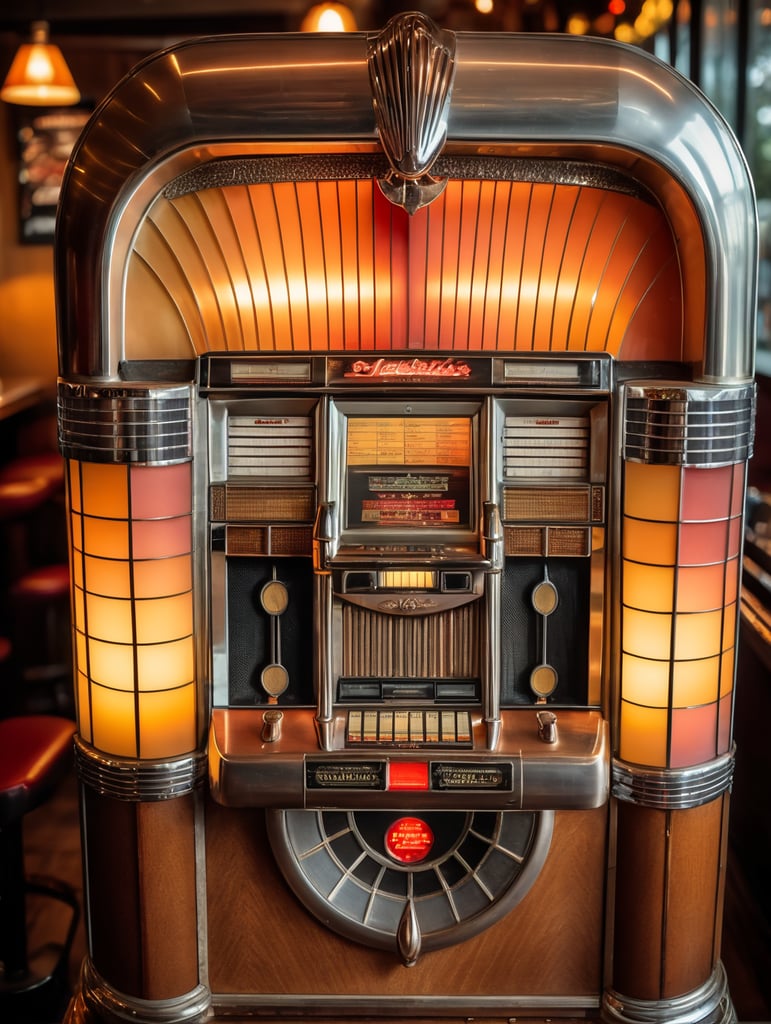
<point>409,840</point>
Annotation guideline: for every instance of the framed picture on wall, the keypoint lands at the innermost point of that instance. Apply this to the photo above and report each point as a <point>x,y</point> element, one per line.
<point>45,138</point>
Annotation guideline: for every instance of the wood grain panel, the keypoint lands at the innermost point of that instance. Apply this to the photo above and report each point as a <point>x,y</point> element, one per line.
<point>141,894</point>
<point>261,940</point>
<point>166,851</point>
<point>669,885</point>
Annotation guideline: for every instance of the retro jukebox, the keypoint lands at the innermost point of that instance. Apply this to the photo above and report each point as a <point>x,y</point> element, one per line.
<point>406,396</point>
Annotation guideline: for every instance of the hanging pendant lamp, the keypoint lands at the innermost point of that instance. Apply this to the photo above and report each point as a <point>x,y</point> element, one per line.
<point>39,75</point>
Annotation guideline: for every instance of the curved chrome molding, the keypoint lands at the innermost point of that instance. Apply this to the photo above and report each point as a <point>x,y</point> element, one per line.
<point>672,788</point>
<point>255,170</point>
<point>187,105</point>
<point>131,423</point>
<point>411,71</point>
<point>709,1004</point>
<point>138,781</point>
<point>673,424</point>
<point>108,1005</point>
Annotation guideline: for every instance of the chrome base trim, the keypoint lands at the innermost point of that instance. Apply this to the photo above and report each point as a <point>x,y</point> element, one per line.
<point>708,1004</point>
<point>408,1007</point>
<point>139,781</point>
<point>109,1005</point>
<point>672,788</point>
<point>128,423</point>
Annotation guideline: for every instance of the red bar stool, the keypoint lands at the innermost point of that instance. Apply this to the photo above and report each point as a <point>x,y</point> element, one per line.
<point>48,465</point>
<point>19,500</point>
<point>45,522</point>
<point>36,751</point>
<point>39,623</point>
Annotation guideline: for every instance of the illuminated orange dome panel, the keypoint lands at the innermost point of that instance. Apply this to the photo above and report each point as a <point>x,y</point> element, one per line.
<point>333,266</point>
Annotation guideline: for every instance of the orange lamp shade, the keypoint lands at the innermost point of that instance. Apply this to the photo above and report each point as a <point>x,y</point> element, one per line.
<point>39,75</point>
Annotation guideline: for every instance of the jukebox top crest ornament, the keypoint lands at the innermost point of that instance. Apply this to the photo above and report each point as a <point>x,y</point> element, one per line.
<point>411,70</point>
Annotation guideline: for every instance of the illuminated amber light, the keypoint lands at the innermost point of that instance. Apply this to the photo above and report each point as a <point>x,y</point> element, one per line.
<point>681,546</point>
<point>329,17</point>
<point>334,266</point>
<point>131,558</point>
<point>39,75</point>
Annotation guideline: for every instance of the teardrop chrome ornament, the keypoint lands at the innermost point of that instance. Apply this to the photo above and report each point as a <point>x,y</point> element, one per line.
<point>411,70</point>
<point>408,936</point>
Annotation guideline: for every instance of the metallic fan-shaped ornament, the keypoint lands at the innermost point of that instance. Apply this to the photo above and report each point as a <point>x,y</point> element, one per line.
<point>411,69</point>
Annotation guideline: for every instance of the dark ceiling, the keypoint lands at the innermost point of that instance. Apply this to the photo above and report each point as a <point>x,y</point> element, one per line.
<point>103,39</point>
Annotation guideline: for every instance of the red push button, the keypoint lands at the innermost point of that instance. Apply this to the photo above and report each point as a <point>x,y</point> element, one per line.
<point>409,840</point>
<point>408,775</point>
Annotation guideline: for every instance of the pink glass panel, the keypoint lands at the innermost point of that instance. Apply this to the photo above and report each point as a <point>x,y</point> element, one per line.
<point>702,543</point>
<point>738,489</point>
<point>161,537</point>
<point>731,581</point>
<point>706,493</point>
<point>725,708</point>
<point>700,588</point>
<point>160,491</point>
<point>729,626</point>
<point>694,735</point>
<point>727,672</point>
<point>734,538</point>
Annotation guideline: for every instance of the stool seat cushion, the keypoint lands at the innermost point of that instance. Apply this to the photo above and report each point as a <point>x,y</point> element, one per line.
<point>48,465</point>
<point>35,753</point>
<point>44,582</point>
<point>20,497</point>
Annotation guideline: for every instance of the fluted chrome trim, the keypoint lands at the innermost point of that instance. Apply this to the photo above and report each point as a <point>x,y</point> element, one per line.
<point>138,781</point>
<point>681,425</point>
<point>672,788</point>
<point>411,71</point>
<point>129,423</point>
<point>110,1006</point>
<point>708,1004</point>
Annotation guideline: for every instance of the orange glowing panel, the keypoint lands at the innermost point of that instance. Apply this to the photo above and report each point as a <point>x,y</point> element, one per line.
<point>131,556</point>
<point>332,265</point>
<point>681,663</point>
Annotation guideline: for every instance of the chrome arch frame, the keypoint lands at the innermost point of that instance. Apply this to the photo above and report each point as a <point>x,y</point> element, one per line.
<point>210,97</point>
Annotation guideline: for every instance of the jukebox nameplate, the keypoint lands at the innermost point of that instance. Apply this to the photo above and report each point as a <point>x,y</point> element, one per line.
<point>412,776</point>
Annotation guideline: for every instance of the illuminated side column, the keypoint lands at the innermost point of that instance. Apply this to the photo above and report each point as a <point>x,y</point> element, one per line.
<point>682,496</point>
<point>139,758</point>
